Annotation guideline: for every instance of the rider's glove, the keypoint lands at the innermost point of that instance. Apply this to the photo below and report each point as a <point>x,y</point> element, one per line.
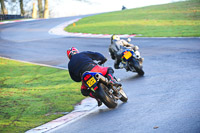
<point>135,48</point>
<point>102,62</point>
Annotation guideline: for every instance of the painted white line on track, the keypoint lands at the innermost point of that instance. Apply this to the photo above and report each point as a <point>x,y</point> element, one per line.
<point>59,30</point>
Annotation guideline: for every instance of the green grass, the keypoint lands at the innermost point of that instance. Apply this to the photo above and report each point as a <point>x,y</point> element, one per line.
<point>31,95</point>
<point>179,19</point>
<point>13,19</point>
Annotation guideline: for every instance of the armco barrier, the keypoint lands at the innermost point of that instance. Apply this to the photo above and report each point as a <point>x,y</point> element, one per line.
<point>9,17</point>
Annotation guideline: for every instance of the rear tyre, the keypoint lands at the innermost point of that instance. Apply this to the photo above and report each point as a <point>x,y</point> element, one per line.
<point>107,98</point>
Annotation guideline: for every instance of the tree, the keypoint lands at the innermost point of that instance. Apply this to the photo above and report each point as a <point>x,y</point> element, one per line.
<point>40,8</point>
<point>46,9</point>
<point>22,7</point>
<point>3,7</point>
<point>34,11</point>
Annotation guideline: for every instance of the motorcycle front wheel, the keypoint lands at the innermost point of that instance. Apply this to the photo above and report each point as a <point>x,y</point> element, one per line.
<point>108,99</point>
<point>124,97</point>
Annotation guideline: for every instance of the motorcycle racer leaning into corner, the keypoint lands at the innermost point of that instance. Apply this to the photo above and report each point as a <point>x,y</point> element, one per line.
<point>116,48</point>
<point>84,61</point>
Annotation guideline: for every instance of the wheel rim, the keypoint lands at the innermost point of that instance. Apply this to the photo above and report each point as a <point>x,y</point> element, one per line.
<point>123,93</point>
<point>110,95</point>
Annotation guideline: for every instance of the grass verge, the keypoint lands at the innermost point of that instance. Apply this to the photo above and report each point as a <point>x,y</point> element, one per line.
<point>179,19</point>
<point>31,95</point>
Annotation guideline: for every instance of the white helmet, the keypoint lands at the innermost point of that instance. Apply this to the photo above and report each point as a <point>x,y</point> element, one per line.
<point>115,37</point>
<point>129,40</point>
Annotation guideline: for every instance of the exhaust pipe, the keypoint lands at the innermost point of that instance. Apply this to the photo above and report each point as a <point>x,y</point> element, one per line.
<point>101,78</point>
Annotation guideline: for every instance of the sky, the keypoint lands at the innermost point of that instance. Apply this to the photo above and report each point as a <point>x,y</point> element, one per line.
<point>62,8</point>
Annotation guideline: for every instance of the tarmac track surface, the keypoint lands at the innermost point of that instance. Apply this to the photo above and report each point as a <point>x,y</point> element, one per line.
<point>165,99</point>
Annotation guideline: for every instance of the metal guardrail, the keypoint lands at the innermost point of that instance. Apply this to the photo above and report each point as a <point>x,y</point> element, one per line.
<point>9,17</point>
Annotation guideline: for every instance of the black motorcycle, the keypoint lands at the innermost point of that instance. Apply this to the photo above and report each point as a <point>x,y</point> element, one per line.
<point>131,61</point>
<point>105,90</point>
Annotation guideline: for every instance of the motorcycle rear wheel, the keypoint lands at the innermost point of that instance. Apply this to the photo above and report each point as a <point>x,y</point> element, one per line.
<point>107,98</point>
<point>137,67</point>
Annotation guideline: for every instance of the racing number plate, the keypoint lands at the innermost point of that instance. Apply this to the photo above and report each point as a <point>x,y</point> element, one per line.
<point>127,55</point>
<point>91,82</point>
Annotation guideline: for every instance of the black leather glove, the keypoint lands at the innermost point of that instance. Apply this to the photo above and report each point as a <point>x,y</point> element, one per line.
<point>102,62</point>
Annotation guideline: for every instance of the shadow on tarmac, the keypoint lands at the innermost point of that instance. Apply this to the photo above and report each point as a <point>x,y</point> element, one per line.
<point>134,77</point>
<point>106,109</point>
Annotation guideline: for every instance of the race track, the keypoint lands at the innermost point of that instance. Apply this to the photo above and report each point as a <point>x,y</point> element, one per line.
<point>166,99</point>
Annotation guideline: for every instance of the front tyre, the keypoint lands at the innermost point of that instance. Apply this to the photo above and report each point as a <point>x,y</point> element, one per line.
<point>124,97</point>
<point>107,98</point>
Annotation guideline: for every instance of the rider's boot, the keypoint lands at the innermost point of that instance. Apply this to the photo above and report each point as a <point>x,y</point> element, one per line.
<point>93,95</point>
<point>99,102</point>
<point>111,78</point>
<point>117,64</point>
<point>141,60</point>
